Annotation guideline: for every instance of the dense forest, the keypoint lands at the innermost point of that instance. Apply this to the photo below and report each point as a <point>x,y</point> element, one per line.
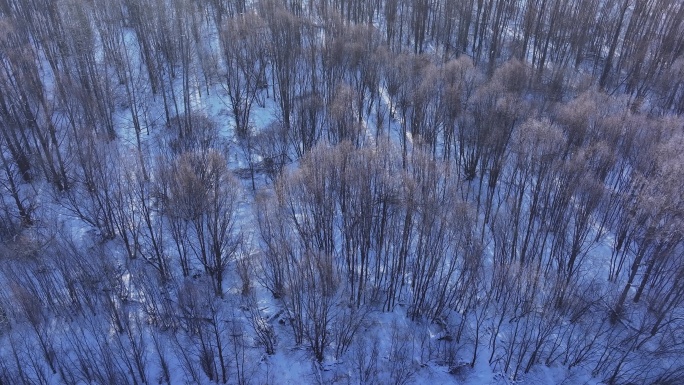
<point>341,192</point>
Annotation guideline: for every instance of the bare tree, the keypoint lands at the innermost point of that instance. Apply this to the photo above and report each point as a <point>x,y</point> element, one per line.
<point>204,193</point>
<point>244,54</point>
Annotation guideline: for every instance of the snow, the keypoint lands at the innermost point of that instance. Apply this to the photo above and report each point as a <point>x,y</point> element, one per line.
<point>419,352</point>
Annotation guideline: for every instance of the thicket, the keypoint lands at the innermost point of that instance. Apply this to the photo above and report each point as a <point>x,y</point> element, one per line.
<point>508,172</point>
